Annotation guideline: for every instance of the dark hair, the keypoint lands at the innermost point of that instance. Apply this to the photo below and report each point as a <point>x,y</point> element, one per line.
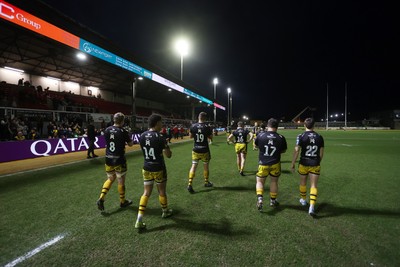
<point>309,123</point>
<point>153,120</point>
<point>240,124</point>
<point>202,115</point>
<point>273,123</point>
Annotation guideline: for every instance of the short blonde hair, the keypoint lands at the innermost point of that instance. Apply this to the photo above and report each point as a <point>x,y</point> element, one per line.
<point>119,118</point>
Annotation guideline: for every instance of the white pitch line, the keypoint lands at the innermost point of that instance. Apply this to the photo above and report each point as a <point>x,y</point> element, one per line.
<point>35,251</point>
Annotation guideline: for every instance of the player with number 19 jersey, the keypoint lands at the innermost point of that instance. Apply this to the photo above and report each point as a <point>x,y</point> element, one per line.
<point>116,139</point>
<point>200,132</point>
<point>153,144</point>
<point>311,144</point>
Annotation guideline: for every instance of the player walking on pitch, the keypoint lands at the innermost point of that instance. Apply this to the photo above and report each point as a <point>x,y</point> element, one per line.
<point>200,132</point>
<point>311,145</point>
<point>154,146</point>
<point>116,138</point>
<point>271,145</point>
<point>241,140</point>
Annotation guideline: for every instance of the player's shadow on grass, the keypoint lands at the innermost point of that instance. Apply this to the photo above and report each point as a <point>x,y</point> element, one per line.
<point>249,173</point>
<point>326,210</point>
<point>272,211</point>
<point>96,161</point>
<point>223,227</point>
<point>233,188</point>
<point>112,211</point>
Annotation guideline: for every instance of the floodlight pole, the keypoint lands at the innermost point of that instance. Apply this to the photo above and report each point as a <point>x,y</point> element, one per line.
<point>133,120</point>
<point>327,108</point>
<point>230,105</point>
<point>215,98</point>
<point>345,104</point>
<point>181,66</point>
<point>229,91</point>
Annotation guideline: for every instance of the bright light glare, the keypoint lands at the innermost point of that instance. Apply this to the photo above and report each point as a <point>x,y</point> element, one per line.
<point>182,47</point>
<point>81,56</point>
<point>229,90</point>
<point>13,69</point>
<point>215,81</point>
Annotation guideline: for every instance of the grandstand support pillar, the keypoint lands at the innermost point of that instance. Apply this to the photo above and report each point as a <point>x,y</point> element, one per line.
<point>193,113</point>
<point>133,118</point>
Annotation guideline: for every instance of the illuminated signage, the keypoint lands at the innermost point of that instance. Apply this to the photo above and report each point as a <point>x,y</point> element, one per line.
<point>219,106</point>
<point>159,79</point>
<point>30,22</point>
<point>105,55</point>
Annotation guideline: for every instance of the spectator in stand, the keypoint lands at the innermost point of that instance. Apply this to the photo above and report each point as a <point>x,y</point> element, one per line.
<point>182,132</point>
<point>21,82</point>
<point>175,131</point>
<point>54,132</point>
<point>91,134</point>
<point>169,133</point>
<point>33,135</point>
<point>50,129</point>
<point>5,130</point>
<point>24,128</point>
<point>40,126</point>
<point>19,136</point>
<point>69,133</point>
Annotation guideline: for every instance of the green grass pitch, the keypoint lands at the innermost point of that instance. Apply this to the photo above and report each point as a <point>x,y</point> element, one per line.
<point>358,208</point>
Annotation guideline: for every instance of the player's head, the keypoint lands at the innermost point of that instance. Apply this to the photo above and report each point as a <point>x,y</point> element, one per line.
<point>256,124</point>
<point>240,124</point>
<point>272,123</point>
<point>309,123</point>
<point>119,118</point>
<point>202,116</point>
<point>155,121</point>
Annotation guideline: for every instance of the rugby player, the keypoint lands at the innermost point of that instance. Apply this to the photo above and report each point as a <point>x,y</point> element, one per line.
<point>271,145</point>
<point>242,137</point>
<point>201,133</point>
<point>116,138</point>
<point>311,145</point>
<point>154,146</point>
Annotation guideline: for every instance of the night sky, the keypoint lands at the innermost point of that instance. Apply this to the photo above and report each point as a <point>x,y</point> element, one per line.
<point>277,58</point>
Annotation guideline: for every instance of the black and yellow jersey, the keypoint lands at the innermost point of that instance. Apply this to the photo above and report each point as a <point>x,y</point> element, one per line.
<point>200,132</point>
<point>116,139</point>
<point>270,145</point>
<point>310,143</point>
<point>152,144</point>
<point>241,135</point>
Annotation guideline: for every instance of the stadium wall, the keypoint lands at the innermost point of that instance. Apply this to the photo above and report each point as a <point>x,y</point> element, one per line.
<point>17,150</point>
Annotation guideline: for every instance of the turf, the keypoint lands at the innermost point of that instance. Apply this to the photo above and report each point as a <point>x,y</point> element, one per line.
<point>357,224</point>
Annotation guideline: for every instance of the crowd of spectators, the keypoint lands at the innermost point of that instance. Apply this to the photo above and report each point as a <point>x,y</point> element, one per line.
<point>19,129</point>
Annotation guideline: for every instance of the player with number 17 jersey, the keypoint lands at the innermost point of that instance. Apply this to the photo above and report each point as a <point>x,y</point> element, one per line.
<point>271,145</point>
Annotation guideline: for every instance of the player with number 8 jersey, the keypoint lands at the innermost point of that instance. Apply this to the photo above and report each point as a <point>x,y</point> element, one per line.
<point>116,138</point>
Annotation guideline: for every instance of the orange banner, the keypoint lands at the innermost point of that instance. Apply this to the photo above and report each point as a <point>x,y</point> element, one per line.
<point>30,22</point>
